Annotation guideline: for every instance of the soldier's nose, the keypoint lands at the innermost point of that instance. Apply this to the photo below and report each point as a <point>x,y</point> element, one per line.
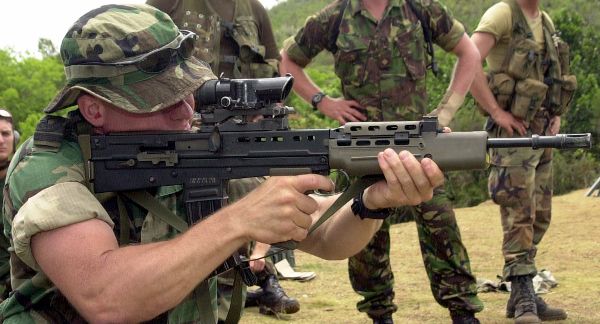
<point>182,110</point>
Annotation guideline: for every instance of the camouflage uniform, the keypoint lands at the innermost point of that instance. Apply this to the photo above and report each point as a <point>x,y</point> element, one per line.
<point>4,259</point>
<point>236,37</point>
<point>237,40</point>
<point>46,185</point>
<point>383,66</point>
<point>520,180</point>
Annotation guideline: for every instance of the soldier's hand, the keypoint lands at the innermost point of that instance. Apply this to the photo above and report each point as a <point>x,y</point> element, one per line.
<point>448,107</point>
<point>257,265</point>
<point>509,123</point>
<point>279,210</point>
<point>407,181</point>
<point>342,110</point>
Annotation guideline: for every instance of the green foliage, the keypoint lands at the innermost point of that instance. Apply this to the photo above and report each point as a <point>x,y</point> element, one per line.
<point>305,116</point>
<point>289,16</point>
<point>582,36</point>
<point>27,84</point>
<point>574,170</point>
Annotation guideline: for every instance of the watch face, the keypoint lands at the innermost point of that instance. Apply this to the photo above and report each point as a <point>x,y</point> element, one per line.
<point>317,98</point>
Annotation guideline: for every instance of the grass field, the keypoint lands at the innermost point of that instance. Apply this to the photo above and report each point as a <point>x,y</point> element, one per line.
<point>570,250</point>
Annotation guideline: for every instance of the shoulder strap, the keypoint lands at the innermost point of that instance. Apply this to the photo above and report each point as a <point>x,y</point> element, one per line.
<point>49,132</point>
<point>427,35</point>
<point>336,26</point>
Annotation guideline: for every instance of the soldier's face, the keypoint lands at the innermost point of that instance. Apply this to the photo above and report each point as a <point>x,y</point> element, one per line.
<point>177,117</point>
<point>6,140</point>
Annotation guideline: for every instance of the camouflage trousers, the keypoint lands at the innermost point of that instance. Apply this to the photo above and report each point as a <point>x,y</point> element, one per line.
<point>522,186</point>
<point>444,255</point>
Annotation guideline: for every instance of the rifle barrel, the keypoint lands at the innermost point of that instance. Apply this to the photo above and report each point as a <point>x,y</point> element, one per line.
<point>560,141</point>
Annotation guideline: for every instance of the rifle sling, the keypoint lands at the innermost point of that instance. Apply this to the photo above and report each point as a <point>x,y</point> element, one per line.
<point>204,303</point>
<point>354,189</point>
<point>123,221</point>
<point>237,303</point>
<point>147,201</point>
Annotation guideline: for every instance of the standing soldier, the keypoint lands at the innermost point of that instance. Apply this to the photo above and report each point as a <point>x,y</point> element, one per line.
<point>236,39</point>
<point>8,140</point>
<point>380,58</point>
<point>528,88</point>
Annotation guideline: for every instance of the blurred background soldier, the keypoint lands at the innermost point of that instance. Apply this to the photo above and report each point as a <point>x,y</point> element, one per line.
<point>236,39</point>
<point>9,138</point>
<point>528,88</point>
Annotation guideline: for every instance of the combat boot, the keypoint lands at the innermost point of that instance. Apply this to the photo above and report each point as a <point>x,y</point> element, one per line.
<point>523,296</point>
<point>383,319</point>
<point>463,317</point>
<point>274,300</point>
<point>252,298</point>
<point>545,312</point>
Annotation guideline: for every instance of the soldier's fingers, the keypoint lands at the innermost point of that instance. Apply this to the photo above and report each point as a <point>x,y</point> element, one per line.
<point>310,182</point>
<point>306,205</point>
<point>433,172</point>
<point>350,117</point>
<point>298,234</point>
<point>399,163</point>
<point>358,115</point>
<point>355,104</point>
<point>416,176</point>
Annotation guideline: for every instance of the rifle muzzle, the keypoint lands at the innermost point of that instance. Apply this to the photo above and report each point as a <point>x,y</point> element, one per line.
<point>559,141</point>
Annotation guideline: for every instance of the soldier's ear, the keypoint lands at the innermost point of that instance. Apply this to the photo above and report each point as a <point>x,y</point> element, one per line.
<point>92,110</point>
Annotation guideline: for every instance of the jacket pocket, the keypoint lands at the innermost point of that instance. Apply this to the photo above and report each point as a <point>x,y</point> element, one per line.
<point>523,59</point>
<point>351,59</point>
<point>529,96</point>
<point>502,86</point>
<point>410,47</point>
<point>567,92</point>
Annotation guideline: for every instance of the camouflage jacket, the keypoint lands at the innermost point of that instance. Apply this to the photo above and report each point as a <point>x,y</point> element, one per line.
<point>382,65</point>
<point>236,36</point>
<point>35,178</point>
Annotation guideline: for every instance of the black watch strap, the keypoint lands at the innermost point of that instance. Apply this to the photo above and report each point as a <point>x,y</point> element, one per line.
<point>359,209</point>
<point>316,99</point>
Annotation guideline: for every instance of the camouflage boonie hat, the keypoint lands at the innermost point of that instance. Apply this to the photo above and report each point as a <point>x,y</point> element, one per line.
<point>123,33</point>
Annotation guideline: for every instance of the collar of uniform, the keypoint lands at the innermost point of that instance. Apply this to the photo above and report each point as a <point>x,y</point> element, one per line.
<point>357,6</point>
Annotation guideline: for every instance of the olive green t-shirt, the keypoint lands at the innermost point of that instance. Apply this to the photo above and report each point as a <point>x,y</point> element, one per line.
<point>497,21</point>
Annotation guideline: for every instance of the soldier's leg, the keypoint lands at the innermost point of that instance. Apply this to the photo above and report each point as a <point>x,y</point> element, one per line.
<point>271,298</point>
<point>445,256</point>
<point>371,275</point>
<point>543,196</point>
<point>512,188</point>
<point>543,215</point>
<point>278,255</point>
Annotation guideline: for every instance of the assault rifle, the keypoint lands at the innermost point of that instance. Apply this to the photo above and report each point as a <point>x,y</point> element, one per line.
<point>229,145</point>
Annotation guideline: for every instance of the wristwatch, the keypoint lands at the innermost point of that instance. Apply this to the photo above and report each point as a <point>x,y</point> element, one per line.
<point>318,97</point>
<point>359,209</point>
